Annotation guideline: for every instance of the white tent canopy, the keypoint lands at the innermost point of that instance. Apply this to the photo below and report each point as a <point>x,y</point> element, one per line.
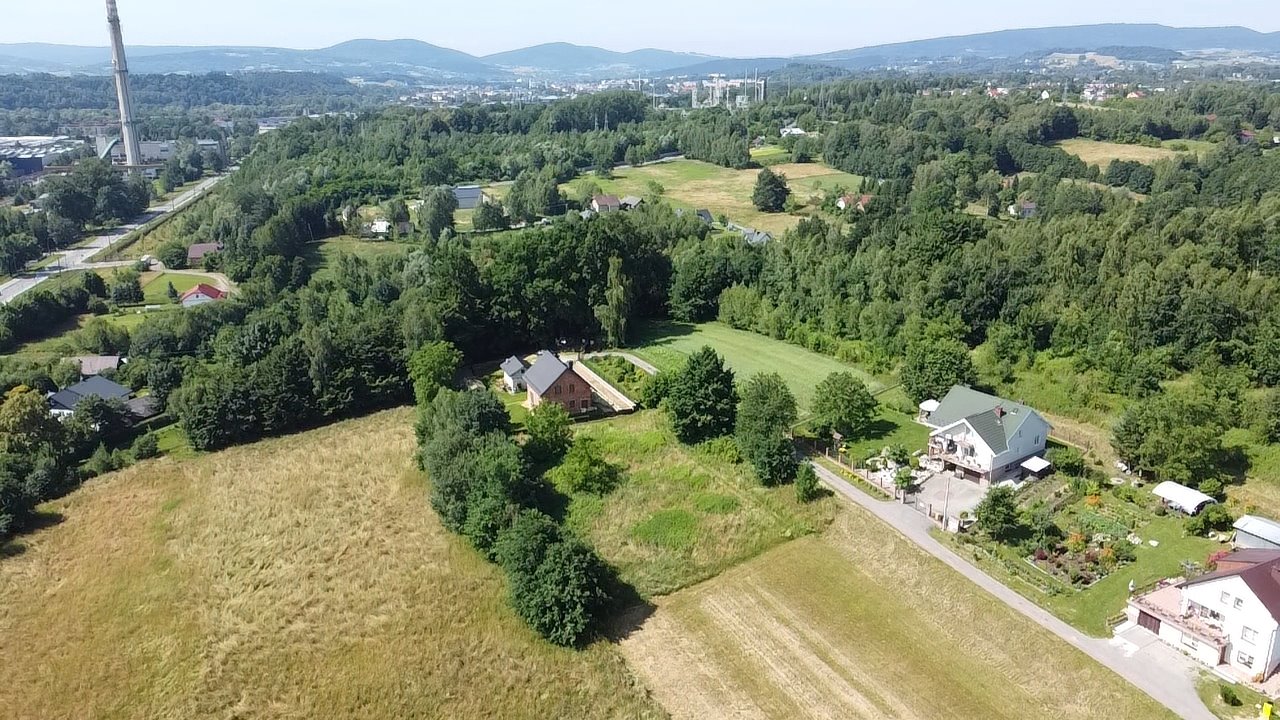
<point>1036,464</point>
<point>929,406</point>
<point>1182,497</point>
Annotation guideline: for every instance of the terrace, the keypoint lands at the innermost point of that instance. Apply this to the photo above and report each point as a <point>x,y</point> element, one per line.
<point>1165,604</point>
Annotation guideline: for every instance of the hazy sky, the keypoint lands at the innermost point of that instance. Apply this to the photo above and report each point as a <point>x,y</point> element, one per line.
<point>717,27</point>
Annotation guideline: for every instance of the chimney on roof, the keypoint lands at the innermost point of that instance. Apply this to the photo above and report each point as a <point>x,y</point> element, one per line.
<point>999,413</point>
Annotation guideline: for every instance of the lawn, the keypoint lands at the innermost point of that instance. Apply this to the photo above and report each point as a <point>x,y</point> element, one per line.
<point>695,185</point>
<point>302,577</point>
<point>1095,152</point>
<point>682,515</point>
<point>861,623</point>
<point>155,286</point>
<point>666,345</point>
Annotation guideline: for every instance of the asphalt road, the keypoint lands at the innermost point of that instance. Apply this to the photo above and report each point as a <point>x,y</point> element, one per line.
<point>1156,669</point>
<point>78,258</point>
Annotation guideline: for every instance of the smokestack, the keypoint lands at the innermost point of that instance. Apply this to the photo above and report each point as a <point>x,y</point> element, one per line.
<point>128,126</point>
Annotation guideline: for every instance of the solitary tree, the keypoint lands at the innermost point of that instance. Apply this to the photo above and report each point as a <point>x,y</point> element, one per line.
<point>771,191</point>
<point>807,489</point>
<point>172,293</point>
<point>438,206</point>
<point>997,514</point>
<point>432,367</point>
<point>489,216</point>
<point>842,404</point>
<point>550,433</point>
<point>766,413</point>
<point>933,365</point>
<point>702,401</point>
<point>616,312</point>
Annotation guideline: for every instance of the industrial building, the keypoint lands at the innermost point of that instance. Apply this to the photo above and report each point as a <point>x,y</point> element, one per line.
<point>33,153</point>
<point>151,151</point>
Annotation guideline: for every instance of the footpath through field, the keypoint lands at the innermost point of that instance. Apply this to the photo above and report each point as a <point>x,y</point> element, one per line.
<point>1157,670</point>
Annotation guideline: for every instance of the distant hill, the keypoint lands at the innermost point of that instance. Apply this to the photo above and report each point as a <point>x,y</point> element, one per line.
<point>1017,43</point>
<point>566,58</point>
<point>413,58</point>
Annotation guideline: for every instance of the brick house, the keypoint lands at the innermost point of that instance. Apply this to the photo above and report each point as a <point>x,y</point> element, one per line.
<point>552,380</point>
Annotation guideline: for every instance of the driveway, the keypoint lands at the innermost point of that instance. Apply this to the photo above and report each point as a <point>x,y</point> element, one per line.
<point>1168,677</point>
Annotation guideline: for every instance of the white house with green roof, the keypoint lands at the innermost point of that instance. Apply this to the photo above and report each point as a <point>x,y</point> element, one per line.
<point>986,438</point>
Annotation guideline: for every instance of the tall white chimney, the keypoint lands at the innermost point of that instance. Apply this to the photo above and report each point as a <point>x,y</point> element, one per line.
<point>128,126</point>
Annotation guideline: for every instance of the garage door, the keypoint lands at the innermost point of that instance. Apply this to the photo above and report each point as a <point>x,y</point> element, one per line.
<point>1149,621</point>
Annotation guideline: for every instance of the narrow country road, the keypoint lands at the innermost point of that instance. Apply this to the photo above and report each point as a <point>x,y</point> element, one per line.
<point>79,258</point>
<point>1159,671</point>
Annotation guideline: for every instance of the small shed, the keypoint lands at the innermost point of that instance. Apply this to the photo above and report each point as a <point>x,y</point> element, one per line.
<point>1181,497</point>
<point>1036,466</point>
<point>513,374</point>
<point>1255,532</point>
<point>631,202</point>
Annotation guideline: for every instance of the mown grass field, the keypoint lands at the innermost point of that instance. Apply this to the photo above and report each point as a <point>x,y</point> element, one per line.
<point>682,514</point>
<point>667,345</point>
<point>323,254</point>
<point>303,577</point>
<point>1095,152</point>
<point>860,623</point>
<point>695,185</point>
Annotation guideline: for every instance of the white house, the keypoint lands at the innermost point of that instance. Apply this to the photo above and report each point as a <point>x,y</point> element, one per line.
<point>513,374</point>
<point>988,439</point>
<point>1228,617</point>
<point>201,294</point>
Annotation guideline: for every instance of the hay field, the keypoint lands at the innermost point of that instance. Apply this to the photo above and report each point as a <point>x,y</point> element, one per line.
<point>694,184</point>
<point>859,623</point>
<point>1094,152</point>
<point>682,514</point>
<point>304,577</point>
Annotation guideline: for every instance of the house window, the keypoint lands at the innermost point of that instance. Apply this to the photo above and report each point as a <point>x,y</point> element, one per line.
<point>1239,603</point>
<point>1037,440</point>
<point>1226,598</point>
<point>557,389</point>
<point>1249,635</point>
<point>570,387</point>
<point>1245,660</point>
<point>586,404</point>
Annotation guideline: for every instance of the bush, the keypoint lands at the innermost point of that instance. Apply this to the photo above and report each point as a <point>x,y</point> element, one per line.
<point>1229,696</point>
<point>1211,518</point>
<point>1213,488</point>
<point>563,597</point>
<point>585,470</point>
<point>807,488</point>
<point>101,462</point>
<point>656,389</point>
<point>1068,461</point>
<point>146,446</point>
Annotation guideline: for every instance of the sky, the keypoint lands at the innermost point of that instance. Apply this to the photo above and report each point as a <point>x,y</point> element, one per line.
<point>716,27</point>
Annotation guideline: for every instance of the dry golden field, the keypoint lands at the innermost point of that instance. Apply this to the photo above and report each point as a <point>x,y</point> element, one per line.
<point>304,577</point>
<point>859,623</point>
<point>1095,152</point>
